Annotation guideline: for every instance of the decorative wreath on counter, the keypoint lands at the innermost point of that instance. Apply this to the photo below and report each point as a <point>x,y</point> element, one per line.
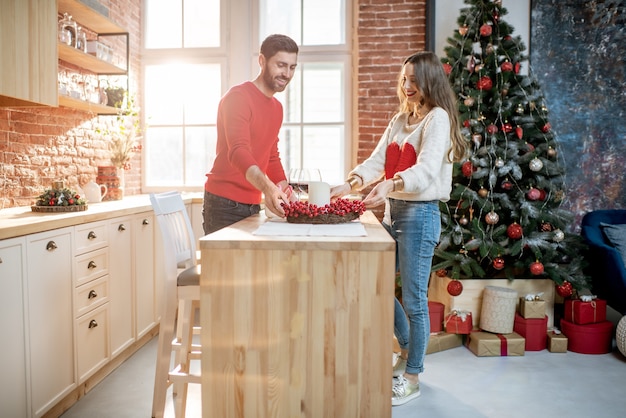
<point>339,211</point>
<point>59,200</point>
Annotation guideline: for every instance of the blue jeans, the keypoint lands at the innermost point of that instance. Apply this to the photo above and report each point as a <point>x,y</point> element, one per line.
<point>219,212</point>
<point>416,227</point>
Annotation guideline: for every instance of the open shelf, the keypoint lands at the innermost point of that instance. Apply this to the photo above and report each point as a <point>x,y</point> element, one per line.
<point>86,106</point>
<point>87,61</point>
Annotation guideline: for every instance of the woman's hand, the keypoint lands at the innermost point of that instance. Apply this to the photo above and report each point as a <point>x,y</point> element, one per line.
<point>339,191</point>
<point>378,194</point>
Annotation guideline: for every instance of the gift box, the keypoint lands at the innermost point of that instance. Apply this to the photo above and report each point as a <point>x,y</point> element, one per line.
<point>435,312</point>
<point>487,344</point>
<point>557,342</point>
<point>497,313</point>
<point>594,338</point>
<point>533,330</point>
<point>459,322</point>
<point>532,308</point>
<point>581,312</point>
<point>443,341</point>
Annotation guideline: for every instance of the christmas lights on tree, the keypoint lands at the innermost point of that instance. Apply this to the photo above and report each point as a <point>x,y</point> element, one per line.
<point>504,218</point>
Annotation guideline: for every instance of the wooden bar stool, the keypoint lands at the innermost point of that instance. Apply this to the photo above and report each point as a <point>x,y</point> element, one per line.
<point>181,292</point>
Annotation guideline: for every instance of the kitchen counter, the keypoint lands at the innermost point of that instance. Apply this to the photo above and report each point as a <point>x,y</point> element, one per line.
<point>296,325</point>
<point>22,220</point>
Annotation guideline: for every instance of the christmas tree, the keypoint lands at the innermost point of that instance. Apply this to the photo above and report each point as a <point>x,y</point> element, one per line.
<point>504,218</point>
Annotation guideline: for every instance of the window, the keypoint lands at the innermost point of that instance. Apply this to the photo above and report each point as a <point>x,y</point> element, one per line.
<point>193,54</point>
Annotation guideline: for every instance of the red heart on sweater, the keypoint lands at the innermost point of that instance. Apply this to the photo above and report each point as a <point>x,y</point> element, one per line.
<point>391,159</point>
<point>399,159</point>
<point>408,157</point>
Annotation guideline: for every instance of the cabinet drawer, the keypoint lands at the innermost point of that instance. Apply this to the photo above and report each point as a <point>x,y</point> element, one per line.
<point>90,295</point>
<point>92,341</point>
<point>91,265</point>
<point>90,237</point>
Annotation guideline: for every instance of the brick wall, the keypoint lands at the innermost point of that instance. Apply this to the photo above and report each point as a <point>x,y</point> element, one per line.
<point>42,145</point>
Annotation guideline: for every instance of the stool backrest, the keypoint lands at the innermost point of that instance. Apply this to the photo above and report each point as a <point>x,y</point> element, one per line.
<point>175,226</point>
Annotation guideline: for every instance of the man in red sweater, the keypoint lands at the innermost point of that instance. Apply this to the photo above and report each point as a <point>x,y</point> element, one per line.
<point>247,164</point>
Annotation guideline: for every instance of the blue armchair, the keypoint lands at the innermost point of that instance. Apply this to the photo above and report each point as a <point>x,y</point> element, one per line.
<point>606,266</point>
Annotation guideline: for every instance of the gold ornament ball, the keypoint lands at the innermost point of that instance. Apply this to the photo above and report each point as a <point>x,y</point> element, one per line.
<point>482,192</point>
<point>492,218</point>
<point>551,152</point>
<point>463,221</point>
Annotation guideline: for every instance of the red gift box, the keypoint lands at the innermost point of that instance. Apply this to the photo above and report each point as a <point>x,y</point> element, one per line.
<point>589,338</point>
<point>534,330</point>
<point>435,312</point>
<point>459,322</point>
<point>581,313</point>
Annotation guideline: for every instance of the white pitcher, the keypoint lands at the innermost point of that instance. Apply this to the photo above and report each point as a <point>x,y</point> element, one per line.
<point>93,191</point>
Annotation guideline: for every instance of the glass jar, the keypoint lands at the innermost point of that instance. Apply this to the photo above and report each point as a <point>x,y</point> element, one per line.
<point>81,39</point>
<point>67,30</point>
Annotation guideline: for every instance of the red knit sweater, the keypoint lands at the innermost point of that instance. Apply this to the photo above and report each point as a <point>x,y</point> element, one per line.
<point>247,134</point>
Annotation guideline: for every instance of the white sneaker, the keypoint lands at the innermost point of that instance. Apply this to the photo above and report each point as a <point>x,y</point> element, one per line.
<point>403,391</point>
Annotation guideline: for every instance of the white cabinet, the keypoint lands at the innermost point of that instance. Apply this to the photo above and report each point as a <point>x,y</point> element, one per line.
<point>50,317</point>
<point>13,389</point>
<point>121,284</point>
<point>91,298</point>
<point>145,296</point>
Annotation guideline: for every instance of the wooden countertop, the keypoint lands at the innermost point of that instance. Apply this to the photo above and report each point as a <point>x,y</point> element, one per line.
<point>239,236</point>
<point>15,222</point>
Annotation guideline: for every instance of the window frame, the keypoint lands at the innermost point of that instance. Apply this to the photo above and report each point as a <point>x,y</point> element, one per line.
<point>239,67</point>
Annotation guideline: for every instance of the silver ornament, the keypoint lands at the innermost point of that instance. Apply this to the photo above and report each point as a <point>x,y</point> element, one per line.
<point>499,163</point>
<point>535,164</point>
<point>558,235</point>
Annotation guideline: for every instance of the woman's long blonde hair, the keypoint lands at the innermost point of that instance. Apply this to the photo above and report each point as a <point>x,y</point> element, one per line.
<point>436,91</point>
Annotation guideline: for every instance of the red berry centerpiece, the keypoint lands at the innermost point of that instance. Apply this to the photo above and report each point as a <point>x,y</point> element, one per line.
<point>338,211</point>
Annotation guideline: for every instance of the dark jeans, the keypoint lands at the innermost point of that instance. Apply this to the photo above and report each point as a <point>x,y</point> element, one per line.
<point>219,212</point>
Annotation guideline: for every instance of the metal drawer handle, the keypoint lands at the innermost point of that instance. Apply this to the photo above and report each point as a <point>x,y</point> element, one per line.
<point>91,235</point>
<point>91,265</point>
<point>93,323</point>
<point>92,294</point>
<point>121,228</point>
<point>145,222</point>
<point>51,246</point>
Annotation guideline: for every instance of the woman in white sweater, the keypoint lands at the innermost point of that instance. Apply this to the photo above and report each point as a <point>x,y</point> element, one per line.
<point>414,159</point>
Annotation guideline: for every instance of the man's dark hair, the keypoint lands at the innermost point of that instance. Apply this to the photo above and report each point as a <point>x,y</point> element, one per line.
<point>277,43</point>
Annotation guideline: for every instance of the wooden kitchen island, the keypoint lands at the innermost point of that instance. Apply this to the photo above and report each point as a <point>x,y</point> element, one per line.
<point>297,326</point>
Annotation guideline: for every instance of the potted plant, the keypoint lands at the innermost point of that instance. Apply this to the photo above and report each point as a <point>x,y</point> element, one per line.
<point>123,137</point>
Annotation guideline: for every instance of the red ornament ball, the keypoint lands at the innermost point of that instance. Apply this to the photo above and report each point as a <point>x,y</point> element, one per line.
<point>498,263</point>
<point>533,194</point>
<point>447,68</point>
<point>455,287</point>
<point>492,129</point>
<point>441,273</point>
<point>546,128</point>
<point>484,83</point>
<point>536,268</point>
<point>514,231</point>
<point>506,66</point>
<point>564,289</point>
<point>467,169</point>
<point>507,127</point>
<point>485,30</point>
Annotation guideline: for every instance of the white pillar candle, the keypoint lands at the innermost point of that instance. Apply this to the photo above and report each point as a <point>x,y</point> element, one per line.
<point>319,193</point>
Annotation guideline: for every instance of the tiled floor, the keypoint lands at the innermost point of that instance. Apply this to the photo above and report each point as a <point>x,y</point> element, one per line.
<point>456,383</point>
